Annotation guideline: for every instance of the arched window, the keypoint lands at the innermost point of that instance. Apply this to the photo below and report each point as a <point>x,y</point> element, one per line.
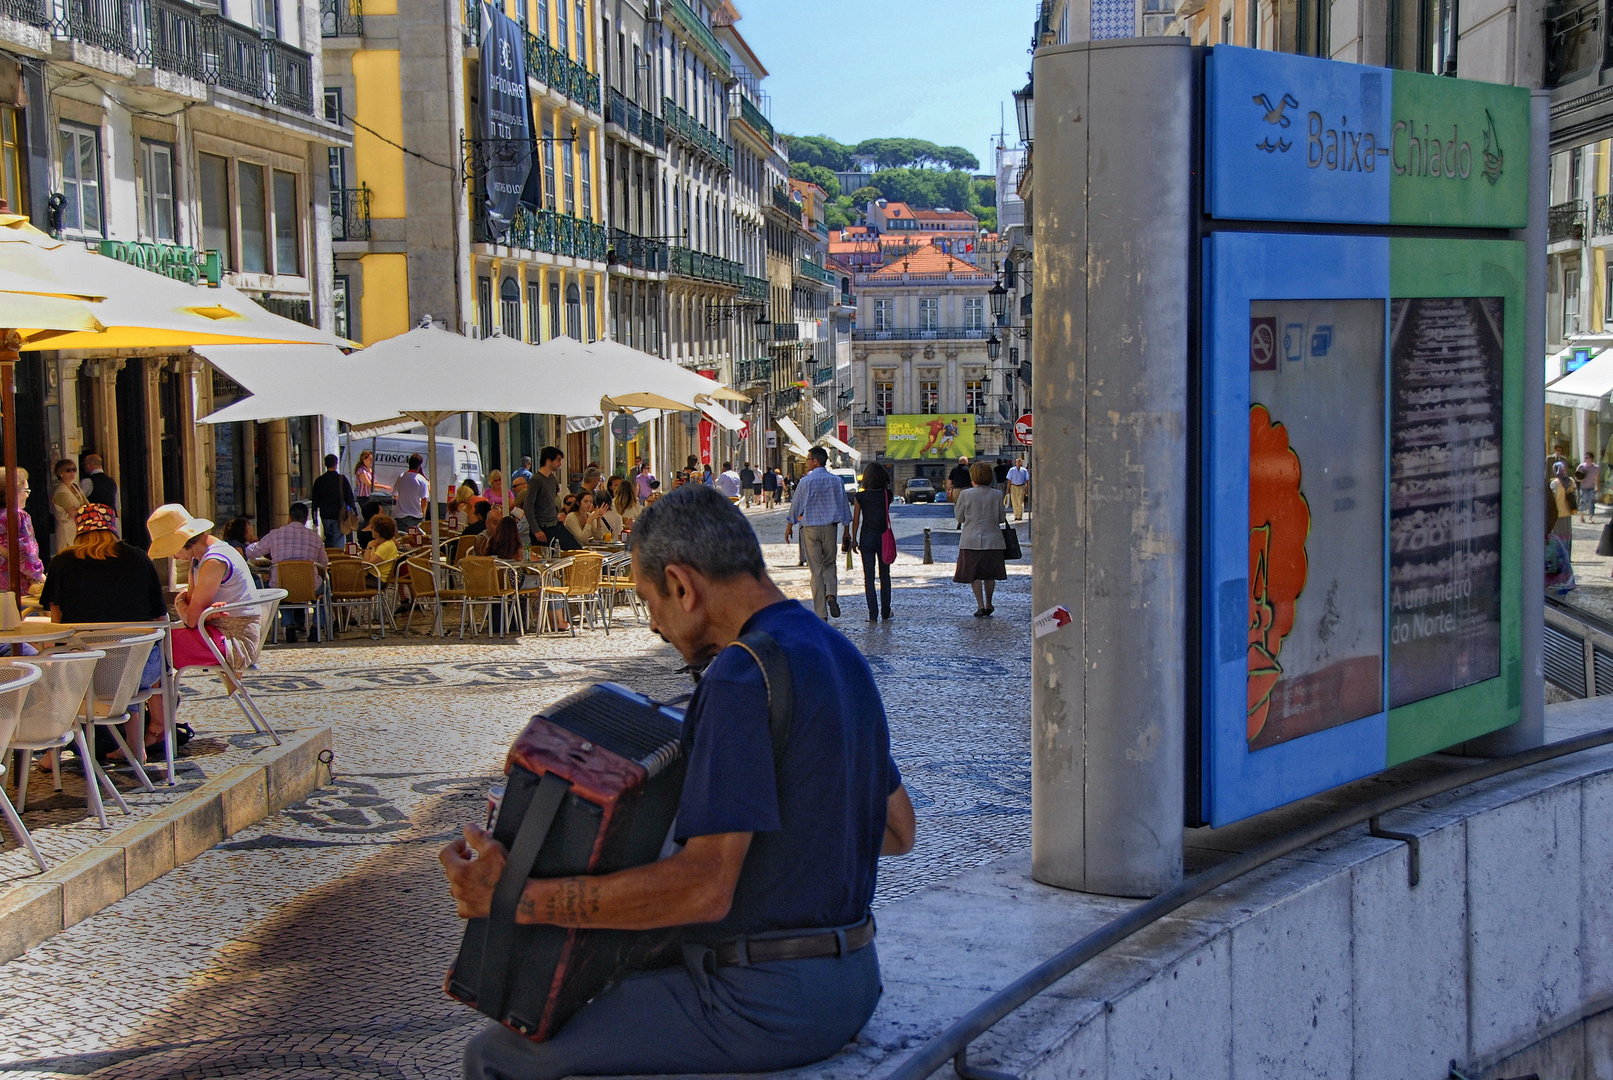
<point>509,308</point>
<point>573,312</point>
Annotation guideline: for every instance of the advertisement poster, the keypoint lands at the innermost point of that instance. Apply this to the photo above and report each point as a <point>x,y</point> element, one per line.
<point>929,436</point>
<point>1444,495</point>
<point>1316,521</point>
<point>504,116</point>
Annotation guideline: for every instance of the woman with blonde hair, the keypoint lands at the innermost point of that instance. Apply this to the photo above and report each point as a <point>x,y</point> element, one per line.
<point>494,491</point>
<point>627,506</point>
<point>33,569</point>
<point>981,514</point>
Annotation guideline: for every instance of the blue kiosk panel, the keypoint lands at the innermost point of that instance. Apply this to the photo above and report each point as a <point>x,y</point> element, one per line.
<point>1295,585</point>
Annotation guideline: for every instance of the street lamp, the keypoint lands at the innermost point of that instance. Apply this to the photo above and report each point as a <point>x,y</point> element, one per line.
<point>994,346</point>
<point>1025,110</point>
<point>764,327</point>
<point>999,302</point>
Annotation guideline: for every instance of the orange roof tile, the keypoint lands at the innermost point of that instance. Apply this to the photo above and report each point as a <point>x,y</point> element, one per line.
<point>930,260</point>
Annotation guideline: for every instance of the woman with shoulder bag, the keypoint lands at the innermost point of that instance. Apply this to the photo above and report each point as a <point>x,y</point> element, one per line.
<point>871,524</point>
<point>980,514</point>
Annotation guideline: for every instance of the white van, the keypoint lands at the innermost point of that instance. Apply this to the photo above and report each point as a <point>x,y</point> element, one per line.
<point>456,459</point>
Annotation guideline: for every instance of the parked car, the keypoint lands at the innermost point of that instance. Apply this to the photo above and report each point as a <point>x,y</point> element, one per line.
<point>848,479</point>
<point>920,490</point>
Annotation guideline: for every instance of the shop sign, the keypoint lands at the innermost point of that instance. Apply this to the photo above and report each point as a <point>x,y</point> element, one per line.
<point>504,115</point>
<point>170,260</point>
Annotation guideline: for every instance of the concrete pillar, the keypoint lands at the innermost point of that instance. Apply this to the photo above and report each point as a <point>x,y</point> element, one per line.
<point>279,464</point>
<point>1113,288</point>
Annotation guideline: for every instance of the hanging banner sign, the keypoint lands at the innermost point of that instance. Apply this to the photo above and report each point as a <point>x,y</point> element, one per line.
<point>505,116</point>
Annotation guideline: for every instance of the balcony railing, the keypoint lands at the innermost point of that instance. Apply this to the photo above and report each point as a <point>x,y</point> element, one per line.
<point>917,333</point>
<point>702,34</point>
<point>32,12</point>
<point>752,288</point>
<point>1603,223</point>
<point>867,419</point>
<point>234,54</point>
<point>290,76</point>
<point>783,202</point>
<point>696,264</point>
<point>821,229</point>
<point>634,120</point>
<point>846,397</point>
<point>1573,39</point>
<point>341,18</point>
<point>1565,221</point>
<point>822,375</point>
<point>752,371</point>
<point>684,126</point>
<point>547,231</point>
<point>789,396</point>
<point>823,427</point>
<point>170,38</point>
<point>350,213</point>
<point>750,114</point>
<point>786,331</point>
<point>639,253</point>
<point>814,272</point>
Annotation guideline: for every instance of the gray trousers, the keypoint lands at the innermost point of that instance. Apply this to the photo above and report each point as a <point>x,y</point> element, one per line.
<point>821,544</point>
<point>696,1018</point>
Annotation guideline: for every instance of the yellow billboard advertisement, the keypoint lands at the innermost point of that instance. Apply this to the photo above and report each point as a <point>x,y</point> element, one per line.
<point>920,436</point>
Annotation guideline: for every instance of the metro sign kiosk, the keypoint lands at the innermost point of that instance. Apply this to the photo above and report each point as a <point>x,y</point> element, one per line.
<point>1361,422</point>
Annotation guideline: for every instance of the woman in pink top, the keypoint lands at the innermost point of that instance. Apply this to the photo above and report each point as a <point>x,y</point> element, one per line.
<point>494,491</point>
<point>364,476</point>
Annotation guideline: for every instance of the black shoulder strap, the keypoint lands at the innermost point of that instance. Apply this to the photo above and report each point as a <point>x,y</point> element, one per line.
<point>499,946</point>
<point>780,686</point>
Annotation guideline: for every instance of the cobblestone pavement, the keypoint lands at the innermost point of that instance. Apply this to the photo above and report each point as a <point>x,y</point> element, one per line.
<point>314,944</point>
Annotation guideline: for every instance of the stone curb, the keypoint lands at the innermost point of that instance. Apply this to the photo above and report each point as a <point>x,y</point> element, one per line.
<point>74,889</point>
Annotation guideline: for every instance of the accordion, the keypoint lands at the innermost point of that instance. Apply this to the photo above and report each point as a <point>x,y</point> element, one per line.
<point>593,787</point>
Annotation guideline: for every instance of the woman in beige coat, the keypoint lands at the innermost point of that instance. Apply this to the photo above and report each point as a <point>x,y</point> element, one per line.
<point>980,514</point>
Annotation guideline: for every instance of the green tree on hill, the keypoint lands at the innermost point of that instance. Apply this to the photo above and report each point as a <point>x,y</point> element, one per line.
<point>866,194</point>
<point>819,150</point>
<point>816,174</point>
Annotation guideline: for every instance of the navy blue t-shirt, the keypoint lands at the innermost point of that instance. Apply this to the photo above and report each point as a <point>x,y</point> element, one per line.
<point>818,832</point>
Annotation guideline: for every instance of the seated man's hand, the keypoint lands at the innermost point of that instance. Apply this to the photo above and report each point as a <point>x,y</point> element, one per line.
<point>473,866</point>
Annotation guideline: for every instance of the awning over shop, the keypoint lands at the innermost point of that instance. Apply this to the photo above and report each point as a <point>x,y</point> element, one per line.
<point>1586,388</point>
<point>721,416</point>
<point>830,440</point>
<point>793,434</point>
<point>279,378</point>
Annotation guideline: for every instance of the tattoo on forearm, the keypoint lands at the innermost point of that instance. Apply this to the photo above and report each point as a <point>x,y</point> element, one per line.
<point>569,902</point>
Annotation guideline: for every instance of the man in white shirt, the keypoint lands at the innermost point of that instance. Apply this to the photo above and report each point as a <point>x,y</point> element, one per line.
<point>728,482</point>
<point>409,495</point>
<point>1019,481</point>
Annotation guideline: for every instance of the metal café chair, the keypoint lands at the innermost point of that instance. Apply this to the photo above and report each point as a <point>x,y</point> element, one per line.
<point>265,605</point>
<point>14,683</point>
<point>54,716</point>
<point>115,695</point>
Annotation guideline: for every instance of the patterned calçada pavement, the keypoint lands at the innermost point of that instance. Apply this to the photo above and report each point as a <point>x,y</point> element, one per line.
<point>313,945</point>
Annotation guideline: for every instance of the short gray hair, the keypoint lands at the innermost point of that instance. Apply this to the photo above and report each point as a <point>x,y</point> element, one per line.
<point>697,527</point>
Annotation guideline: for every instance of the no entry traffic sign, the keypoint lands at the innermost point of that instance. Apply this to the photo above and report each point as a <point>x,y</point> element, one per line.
<point>1022,430</point>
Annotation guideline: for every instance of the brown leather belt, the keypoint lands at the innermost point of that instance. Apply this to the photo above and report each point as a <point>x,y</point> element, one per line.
<point>761,950</point>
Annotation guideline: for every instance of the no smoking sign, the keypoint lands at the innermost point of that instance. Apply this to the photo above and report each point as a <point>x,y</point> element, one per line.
<point>1263,344</point>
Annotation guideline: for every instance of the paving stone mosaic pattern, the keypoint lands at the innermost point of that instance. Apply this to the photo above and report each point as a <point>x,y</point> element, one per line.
<point>314,944</point>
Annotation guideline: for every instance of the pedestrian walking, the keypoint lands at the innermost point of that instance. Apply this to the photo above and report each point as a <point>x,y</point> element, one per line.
<point>819,506</point>
<point>332,497</point>
<point>870,517</point>
<point>958,479</point>
<point>999,477</point>
<point>102,488</point>
<point>65,502</point>
<point>769,488</point>
<point>1562,494</point>
<point>1588,474</point>
<point>409,496</point>
<point>980,515</point>
<point>542,506</point>
<point>729,482</point>
<point>747,481</point>
<point>364,476</point>
<point>1019,482</point>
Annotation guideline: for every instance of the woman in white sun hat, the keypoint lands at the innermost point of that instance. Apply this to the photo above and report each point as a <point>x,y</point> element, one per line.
<point>218,575</point>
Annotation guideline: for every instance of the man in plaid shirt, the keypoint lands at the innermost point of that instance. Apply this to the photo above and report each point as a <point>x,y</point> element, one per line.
<point>292,542</point>
<point>819,504</point>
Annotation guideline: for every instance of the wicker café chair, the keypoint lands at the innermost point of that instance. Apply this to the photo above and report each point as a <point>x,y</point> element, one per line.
<point>582,589</point>
<point>616,580</point>
<point>426,594</point>
<point>350,589</point>
<point>484,588</point>
<point>301,580</point>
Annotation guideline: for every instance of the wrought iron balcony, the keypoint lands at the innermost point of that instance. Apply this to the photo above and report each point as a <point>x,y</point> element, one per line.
<point>290,76</point>
<point>559,72</point>
<point>701,33</point>
<point>920,333</point>
<point>682,125</point>
<point>634,120</point>
<point>782,202</point>
<point>822,375</point>
<point>696,264</point>
<point>1565,221</point>
<point>32,12</point>
<point>640,253</point>
<point>350,213</point>
<point>787,397</point>
<point>751,115</point>
<point>1602,224</point>
<point>547,231</point>
<point>847,395</point>
<point>814,272</point>
<point>752,288</point>
<point>753,371</point>
<point>868,419</point>
<point>341,18</point>
<point>1573,39</point>
<point>823,427</point>
<point>786,331</point>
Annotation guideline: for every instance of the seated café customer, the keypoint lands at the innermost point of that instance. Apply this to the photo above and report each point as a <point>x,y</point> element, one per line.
<point>586,522</point>
<point>627,506</point>
<point>382,551</point>
<point>101,579</point>
<point>367,515</point>
<point>292,542</point>
<point>502,541</point>
<point>478,518</point>
<point>33,569</point>
<point>779,853</point>
<point>218,575</point>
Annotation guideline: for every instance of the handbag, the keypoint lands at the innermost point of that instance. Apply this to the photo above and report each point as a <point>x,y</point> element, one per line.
<point>887,539</point>
<point>1011,549</point>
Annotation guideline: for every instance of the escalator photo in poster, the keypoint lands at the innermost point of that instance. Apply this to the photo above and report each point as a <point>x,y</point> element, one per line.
<point>1444,495</point>
<point>1316,519</point>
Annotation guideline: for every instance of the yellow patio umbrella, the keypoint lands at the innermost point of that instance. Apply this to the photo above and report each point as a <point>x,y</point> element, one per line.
<point>58,294</point>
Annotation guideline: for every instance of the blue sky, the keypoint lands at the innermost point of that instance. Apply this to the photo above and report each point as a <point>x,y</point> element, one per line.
<point>942,70</point>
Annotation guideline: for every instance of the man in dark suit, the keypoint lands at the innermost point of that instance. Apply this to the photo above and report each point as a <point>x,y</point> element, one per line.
<point>100,487</point>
